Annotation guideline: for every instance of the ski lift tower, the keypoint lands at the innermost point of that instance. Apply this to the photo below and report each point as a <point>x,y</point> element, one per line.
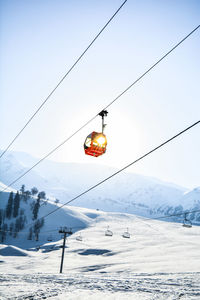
<point>65,231</point>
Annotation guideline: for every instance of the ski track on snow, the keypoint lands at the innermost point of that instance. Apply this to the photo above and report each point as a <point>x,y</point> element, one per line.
<point>146,286</point>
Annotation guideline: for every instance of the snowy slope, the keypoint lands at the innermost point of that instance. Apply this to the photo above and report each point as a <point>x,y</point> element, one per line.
<point>126,192</point>
<point>154,246</point>
<point>159,261</point>
<point>191,197</point>
<point>64,217</point>
<point>11,168</point>
<point>190,201</point>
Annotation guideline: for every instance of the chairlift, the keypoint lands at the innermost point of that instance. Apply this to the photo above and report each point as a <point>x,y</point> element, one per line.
<point>108,232</point>
<point>79,238</point>
<point>186,223</point>
<point>96,142</point>
<point>126,234</point>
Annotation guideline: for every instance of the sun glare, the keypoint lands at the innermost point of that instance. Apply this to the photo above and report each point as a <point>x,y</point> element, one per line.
<point>101,140</point>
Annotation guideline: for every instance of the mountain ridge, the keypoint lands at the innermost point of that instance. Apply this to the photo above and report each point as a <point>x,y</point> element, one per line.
<point>126,192</point>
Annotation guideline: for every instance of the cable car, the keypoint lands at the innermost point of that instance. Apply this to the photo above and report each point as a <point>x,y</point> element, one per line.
<point>96,142</point>
<point>187,223</point>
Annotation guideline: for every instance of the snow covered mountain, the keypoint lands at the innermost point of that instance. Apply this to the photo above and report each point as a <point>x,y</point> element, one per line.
<point>126,192</point>
<point>158,261</point>
<point>190,201</point>
<point>11,233</point>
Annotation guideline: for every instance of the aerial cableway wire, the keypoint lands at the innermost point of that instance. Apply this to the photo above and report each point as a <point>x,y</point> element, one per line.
<point>81,227</point>
<point>122,169</point>
<point>43,232</point>
<point>59,83</point>
<point>173,215</point>
<point>122,93</point>
<point>163,57</point>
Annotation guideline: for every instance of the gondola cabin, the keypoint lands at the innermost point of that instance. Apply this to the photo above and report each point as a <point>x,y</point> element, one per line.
<point>95,144</point>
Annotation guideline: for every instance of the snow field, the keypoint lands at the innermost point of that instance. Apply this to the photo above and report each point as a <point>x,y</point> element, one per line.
<point>159,261</point>
<point>154,246</point>
<point>161,286</point>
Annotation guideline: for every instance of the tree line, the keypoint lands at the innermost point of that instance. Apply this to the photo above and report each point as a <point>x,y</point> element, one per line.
<point>13,217</point>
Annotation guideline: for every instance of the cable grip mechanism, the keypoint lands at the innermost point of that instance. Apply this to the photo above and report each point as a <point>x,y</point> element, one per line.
<point>103,114</point>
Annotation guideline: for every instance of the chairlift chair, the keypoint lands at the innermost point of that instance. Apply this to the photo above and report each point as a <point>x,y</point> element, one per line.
<point>126,234</point>
<point>108,232</point>
<point>187,223</point>
<point>79,238</point>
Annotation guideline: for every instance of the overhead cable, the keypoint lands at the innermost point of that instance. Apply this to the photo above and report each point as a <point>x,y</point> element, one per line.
<point>153,66</point>
<point>84,125</point>
<point>59,83</point>
<point>43,232</point>
<point>173,215</point>
<point>81,227</point>
<point>122,169</point>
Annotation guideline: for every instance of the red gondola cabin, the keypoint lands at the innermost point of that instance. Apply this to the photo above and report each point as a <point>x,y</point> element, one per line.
<point>95,144</point>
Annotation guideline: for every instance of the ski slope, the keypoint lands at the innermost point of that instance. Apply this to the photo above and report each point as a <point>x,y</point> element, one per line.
<point>159,261</point>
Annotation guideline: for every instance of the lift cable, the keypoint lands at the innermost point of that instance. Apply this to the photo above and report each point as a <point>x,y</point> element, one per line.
<point>119,171</point>
<point>43,232</point>
<point>173,215</point>
<point>122,93</point>
<point>81,227</point>
<point>59,83</point>
<point>155,64</point>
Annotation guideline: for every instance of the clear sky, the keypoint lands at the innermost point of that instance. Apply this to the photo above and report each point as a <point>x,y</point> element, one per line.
<point>40,40</point>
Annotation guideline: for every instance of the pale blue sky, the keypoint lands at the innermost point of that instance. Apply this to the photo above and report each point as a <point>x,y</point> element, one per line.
<point>40,40</point>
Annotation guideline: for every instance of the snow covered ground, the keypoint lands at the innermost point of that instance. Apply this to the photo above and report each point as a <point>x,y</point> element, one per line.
<point>133,286</point>
<point>159,261</point>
